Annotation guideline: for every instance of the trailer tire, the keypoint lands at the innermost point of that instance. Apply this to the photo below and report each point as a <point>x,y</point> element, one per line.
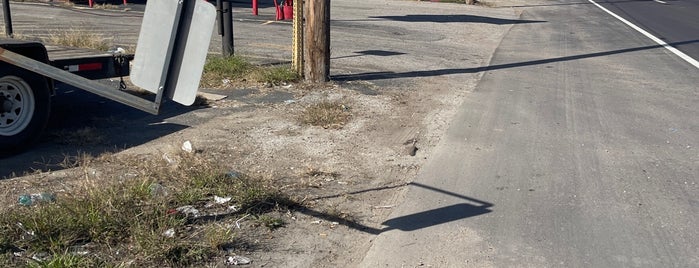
<point>25,105</point>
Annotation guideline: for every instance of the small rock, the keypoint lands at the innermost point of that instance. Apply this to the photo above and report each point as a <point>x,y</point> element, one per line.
<point>41,256</point>
<point>233,174</point>
<point>411,150</point>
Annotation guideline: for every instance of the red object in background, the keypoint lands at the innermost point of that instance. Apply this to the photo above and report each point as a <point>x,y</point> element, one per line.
<point>280,15</point>
<point>254,7</point>
<point>288,9</point>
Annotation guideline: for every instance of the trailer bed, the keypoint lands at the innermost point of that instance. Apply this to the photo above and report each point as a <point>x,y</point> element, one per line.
<point>58,53</point>
<point>89,63</point>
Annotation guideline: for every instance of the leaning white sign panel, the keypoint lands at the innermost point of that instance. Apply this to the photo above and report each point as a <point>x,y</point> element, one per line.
<point>172,47</point>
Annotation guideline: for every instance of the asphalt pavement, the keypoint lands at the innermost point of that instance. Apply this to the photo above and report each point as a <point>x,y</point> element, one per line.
<point>578,148</point>
<point>674,21</point>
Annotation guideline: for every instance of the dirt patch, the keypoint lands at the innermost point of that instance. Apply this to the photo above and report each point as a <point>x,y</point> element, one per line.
<point>347,176</point>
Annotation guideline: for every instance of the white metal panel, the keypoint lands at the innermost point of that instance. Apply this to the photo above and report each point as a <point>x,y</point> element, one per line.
<point>189,64</point>
<point>154,45</point>
<point>172,52</point>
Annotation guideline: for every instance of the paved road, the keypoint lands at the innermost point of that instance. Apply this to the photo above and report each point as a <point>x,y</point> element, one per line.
<point>579,148</point>
<point>674,21</point>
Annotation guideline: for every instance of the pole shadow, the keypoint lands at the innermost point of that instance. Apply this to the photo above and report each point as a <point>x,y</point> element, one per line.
<point>439,72</point>
<point>461,18</point>
<point>379,53</point>
<point>566,4</point>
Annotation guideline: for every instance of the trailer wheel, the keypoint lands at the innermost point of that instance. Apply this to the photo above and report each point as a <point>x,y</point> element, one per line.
<point>24,109</point>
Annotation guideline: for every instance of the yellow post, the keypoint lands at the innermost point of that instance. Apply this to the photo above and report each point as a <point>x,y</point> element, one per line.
<point>297,54</point>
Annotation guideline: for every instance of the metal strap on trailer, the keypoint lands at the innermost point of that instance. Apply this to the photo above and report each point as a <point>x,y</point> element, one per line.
<point>81,82</point>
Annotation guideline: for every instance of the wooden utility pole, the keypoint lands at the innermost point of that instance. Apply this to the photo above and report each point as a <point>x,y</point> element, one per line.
<point>317,41</point>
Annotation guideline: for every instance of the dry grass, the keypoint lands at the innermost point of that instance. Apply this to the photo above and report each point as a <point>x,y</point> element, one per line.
<point>113,222</point>
<point>326,114</point>
<point>79,38</point>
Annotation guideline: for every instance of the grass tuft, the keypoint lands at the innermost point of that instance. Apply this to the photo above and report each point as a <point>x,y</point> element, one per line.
<point>274,74</point>
<point>272,223</point>
<point>222,72</point>
<point>326,114</point>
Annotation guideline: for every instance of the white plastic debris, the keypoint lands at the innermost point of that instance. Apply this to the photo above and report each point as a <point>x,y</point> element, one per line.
<point>222,200</point>
<point>168,159</point>
<point>169,233</point>
<point>237,260</point>
<point>187,147</point>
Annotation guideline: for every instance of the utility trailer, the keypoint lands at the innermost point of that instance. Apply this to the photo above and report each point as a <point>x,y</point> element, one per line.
<point>170,55</point>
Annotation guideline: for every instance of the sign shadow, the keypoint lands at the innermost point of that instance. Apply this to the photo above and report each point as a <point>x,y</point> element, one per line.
<point>416,221</point>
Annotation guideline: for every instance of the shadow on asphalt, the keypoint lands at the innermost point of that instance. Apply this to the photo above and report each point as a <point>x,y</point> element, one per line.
<point>85,124</point>
<point>565,4</point>
<point>430,73</point>
<point>380,53</point>
<point>412,222</point>
<point>454,19</point>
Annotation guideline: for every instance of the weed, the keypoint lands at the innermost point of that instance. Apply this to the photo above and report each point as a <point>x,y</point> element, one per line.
<point>271,222</point>
<point>218,69</point>
<point>274,74</point>
<point>221,72</point>
<point>326,114</point>
<point>318,173</point>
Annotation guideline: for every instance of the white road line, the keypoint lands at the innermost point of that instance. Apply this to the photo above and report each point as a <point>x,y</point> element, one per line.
<point>675,51</point>
<point>658,1</point>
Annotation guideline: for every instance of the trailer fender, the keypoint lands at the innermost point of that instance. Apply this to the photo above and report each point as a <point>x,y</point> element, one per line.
<point>25,102</point>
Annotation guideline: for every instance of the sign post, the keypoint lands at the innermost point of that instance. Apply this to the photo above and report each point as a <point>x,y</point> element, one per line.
<point>297,57</point>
